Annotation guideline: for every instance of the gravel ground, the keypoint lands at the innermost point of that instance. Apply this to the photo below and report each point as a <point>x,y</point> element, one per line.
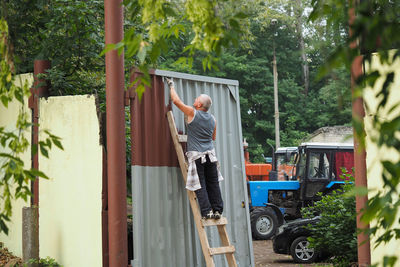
<point>264,256</point>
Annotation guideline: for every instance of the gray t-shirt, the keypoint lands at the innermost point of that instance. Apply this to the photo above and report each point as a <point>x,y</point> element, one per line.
<point>200,131</point>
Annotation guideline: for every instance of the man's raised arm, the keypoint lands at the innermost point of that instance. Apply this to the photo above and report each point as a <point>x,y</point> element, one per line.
<point>188,110</point>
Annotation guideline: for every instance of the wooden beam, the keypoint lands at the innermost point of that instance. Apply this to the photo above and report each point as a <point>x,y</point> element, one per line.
<point>223,234</point>
<point>222,221</point>
<point>222,250</point>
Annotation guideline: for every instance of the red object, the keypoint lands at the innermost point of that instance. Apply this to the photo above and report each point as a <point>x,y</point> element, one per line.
<point>258,172</point>
<point>116,147</point>
<point>255,171</point>
<point>285,170</point>
<point>343,160</point>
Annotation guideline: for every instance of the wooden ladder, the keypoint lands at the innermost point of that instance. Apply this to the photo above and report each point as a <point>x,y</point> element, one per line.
<point>228,249</point>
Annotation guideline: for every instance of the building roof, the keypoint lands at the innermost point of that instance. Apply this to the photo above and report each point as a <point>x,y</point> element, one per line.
<point>331,134</point>
<point>328,145</point>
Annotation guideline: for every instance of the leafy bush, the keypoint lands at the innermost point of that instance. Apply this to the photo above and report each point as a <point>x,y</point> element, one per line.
<point>336,232</point>
<point>46,262</point>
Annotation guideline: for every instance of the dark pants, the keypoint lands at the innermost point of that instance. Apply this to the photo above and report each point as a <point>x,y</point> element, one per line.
<point>209,195</point>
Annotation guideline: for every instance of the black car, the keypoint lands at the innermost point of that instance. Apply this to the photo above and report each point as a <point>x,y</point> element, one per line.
<point>291,239</point>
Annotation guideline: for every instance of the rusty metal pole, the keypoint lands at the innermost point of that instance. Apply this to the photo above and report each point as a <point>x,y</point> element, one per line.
<point>360,166</point>
<point>40,89</point>
<point>30,222</point>
<point>115,120</point>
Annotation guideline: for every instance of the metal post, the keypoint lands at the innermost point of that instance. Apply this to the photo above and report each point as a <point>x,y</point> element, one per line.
<point>40,89</point>
<point>277,139</point>
<point>115,120</point>
<point>360,166</point>
<point>274,22</point>
<point>30,241</point>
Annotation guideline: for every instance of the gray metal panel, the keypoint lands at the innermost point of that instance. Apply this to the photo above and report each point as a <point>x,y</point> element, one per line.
<point>164,231</point>
<point>185,76</point>
<point>160,201</point>
<point>162,219</point>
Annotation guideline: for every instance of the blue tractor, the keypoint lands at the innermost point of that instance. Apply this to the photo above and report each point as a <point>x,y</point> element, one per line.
<point>316,167</point>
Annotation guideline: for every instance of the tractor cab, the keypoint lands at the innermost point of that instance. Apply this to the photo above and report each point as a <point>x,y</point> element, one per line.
<point>320,167</point>
<point>284,163</point>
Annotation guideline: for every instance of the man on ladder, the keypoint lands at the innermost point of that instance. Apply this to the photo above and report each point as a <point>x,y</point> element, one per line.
<point>203,171</point>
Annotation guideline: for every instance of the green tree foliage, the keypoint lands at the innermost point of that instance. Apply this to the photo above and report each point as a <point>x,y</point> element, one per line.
<point>373,30</point>
<point>174,35</point>
<point>210,29</point>
<point>15,177</point>
<point>336,232</point>
<point>299,114</point>
<point>69,33</point>
<point>251,64</point>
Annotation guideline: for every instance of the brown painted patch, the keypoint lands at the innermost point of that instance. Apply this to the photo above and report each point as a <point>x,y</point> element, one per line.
<point>151,139</point>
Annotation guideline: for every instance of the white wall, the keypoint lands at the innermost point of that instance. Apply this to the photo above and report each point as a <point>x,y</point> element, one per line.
<point>70,202</point>
<point>8,118</point>
<point>375,154</point>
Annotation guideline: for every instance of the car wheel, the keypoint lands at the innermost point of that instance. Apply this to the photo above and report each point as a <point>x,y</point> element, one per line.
<point>301,251</point>
<point>263,223</point>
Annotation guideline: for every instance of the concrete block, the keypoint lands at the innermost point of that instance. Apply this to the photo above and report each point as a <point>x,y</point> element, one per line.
<point>30,235</point>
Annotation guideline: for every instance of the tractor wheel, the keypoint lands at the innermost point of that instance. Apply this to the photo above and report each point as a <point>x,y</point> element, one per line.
<point>264,223</point>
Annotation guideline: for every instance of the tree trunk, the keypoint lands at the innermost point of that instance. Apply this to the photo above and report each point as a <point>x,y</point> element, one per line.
<point>299,28</point>
<point>3,11</point>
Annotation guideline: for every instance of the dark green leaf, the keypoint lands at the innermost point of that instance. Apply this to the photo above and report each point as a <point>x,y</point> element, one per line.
<point>4,100</point>
<point>38,173</point>
<point>43,150</point>
<point>58,143</point>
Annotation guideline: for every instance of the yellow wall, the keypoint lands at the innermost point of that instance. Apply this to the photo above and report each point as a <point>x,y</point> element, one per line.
<point>374,154</point>
<point>70,202</point>
<point>8,118</point>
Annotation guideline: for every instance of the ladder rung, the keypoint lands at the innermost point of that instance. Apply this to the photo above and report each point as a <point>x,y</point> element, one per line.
<point>222,221</point>
<point>222,250</point>
<point>182,138</point>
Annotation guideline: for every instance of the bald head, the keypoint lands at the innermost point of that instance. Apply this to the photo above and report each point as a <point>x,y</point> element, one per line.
<point>205,101</point>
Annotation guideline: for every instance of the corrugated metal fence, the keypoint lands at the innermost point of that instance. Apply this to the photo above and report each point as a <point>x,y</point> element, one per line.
<point>164,230</point>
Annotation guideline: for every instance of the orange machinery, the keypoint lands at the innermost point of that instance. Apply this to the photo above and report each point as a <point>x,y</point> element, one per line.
<point>258,171</point>
<point>255,171</point>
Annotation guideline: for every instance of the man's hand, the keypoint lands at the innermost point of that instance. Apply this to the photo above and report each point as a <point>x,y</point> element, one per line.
<point>170,83</point>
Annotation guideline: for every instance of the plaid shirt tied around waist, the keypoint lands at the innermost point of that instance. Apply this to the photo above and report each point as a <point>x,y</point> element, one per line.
<point>193,181</point>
